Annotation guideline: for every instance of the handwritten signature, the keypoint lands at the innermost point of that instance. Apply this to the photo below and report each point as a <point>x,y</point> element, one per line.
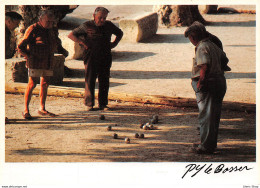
<point>194,169</point>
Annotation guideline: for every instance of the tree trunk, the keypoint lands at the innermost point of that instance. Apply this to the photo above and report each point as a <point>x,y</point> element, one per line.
<point>19,88</point>
<point>30,16</point>
<point>179,15</point>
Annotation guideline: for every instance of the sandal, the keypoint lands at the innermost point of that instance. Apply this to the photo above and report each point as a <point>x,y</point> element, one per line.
<point>26,116</point>
<point>46,113</point>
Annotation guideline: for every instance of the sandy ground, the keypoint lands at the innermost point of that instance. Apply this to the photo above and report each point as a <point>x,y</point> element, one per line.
<point>158,66</point>
<point>79,136</point>
<point>161,65</point>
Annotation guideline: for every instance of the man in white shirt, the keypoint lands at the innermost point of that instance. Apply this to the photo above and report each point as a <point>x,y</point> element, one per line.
<point>209,84</point>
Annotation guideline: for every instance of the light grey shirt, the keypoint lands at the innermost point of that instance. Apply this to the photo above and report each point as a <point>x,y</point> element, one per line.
<point>206,52</point>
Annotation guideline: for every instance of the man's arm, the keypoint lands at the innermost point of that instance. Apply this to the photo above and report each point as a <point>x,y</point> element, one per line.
<point>202,80</point>
<point>76,39</point>
<point>60,48</point>
<point>22,47</point>
<point>117,39</point>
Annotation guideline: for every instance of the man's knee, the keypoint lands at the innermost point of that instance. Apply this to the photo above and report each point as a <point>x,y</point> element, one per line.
<point>45,81</point>
<point>32,82</point>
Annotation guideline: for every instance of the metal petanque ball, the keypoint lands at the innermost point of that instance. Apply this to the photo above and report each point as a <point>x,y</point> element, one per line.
<point>109,128</point>
<point>146,127</point>
<point>136,135</point>
<point>151,127</point>
<point>141,135</point>
<point>102,117</point>
<point>115,136</point>
<point>141,125</point>
<point>127,140</point>
<point>155,117</point>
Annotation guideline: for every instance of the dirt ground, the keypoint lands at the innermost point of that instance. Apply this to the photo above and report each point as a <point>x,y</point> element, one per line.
<point>79,136</point>
<point>159,66</point>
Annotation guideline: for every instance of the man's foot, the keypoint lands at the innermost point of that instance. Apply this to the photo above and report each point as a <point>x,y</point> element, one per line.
<point>89,108</point>
<point>105,108</point>
<point>195,145</point>
<point>197,150</point>
<point>26,116</point>
<point>46,113</point>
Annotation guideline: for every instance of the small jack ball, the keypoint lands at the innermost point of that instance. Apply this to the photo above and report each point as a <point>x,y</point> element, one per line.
<point>102,117</point>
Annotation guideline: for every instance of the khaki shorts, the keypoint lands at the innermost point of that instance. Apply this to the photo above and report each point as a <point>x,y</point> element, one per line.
<point>39,72</point>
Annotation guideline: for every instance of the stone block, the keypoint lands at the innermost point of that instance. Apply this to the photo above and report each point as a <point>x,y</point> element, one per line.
<point>58,69</point>
<point>139,27</point>
<point>74,49</point>
<point>15,70</point>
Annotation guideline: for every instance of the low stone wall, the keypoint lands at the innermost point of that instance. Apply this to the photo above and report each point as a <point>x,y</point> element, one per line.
<point>16,71</point>
<point>140,27</point>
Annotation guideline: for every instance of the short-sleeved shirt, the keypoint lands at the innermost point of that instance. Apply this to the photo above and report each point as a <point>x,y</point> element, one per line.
<point>39,44</point>
<point>206,52</point>
<point>97,38</point>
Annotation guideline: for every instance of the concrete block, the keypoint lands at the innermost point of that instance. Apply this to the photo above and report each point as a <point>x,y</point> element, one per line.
<point>139,27</point>
<point>58,69</point>
<point>15,70</point>
<point>74,49</point>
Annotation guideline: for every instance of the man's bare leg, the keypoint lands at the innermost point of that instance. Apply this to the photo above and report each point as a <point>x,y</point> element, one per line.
<point>43,93</point>
<point>28,93</point>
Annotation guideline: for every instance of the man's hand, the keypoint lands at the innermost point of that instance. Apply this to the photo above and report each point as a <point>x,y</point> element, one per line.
<point>201,82</point>
<point>201,85</point>
<point>78,40</point>
<point>83,44</point>
<point>116,41</point>
<point>113,45</point>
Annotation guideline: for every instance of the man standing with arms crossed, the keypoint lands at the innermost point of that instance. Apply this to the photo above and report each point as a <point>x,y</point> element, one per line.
<point>38,47</point>
<point>95,37</point>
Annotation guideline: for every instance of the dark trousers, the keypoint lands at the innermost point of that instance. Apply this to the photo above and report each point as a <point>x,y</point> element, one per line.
<point>92,72</point>
<point>209,104</point>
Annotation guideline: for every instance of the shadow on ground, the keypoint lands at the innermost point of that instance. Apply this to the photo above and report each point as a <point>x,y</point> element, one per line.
<point>170,141</point>
<point>166,38</point>
<point>233,24</point>
<point>126,74</point>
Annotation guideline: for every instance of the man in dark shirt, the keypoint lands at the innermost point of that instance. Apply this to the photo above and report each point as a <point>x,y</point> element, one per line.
<point>95,37</point>
<point>12,21</point>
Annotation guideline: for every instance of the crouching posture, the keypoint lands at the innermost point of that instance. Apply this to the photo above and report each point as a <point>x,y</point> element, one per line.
<point>209,84</point>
